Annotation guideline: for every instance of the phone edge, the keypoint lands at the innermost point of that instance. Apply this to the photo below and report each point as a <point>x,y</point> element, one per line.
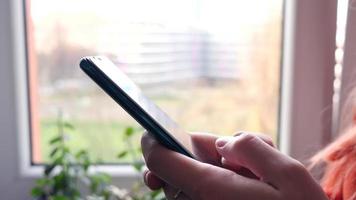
<point>148,123</point>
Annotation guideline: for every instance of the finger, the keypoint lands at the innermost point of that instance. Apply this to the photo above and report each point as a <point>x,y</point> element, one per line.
<point>152,181</point>
<point>264,137</point>
<point>172,167</point>
<point>204,148</point>
<point>237,168</point>
<point>200,180</point>
<point>254,154</point>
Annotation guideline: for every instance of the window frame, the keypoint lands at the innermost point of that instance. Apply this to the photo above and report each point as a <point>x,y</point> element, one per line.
<point>310,57</point>
<point>32,91</point>
<point>24,76</point>
<point>18,174</point>
<point>349,63</point>
<point>309,47</point>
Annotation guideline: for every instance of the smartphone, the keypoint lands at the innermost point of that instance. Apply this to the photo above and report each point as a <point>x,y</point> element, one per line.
<point>129,96</point>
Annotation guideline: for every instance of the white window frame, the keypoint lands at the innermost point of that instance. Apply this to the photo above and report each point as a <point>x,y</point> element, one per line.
<point>18,175</point>
<point>349,63</point>
<point>21,77</point>
<point>308,74</point>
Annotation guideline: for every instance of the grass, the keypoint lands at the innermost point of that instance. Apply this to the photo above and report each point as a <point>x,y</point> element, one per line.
<point>221,108</point>
<point>103,140</point>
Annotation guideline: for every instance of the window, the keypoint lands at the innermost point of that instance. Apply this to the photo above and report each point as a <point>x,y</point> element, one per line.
<point>212,65</point>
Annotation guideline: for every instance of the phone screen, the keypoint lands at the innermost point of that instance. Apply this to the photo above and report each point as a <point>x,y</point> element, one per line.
<point>134,94</point>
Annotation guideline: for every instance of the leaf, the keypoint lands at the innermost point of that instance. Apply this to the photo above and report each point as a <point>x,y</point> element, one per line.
<point>86,164</point>
<point>129,132</point>
<point>59,197</point>
<point>37,192</point>
<point>68,125</point>
<point>122,154</point>
<point>157,194</point>
<point>138,166</point>
<point>81,153</point>
<point>106,194</point>
<point>106,178</point>
<point>49,169</point>
<point>66,149</point>
<point>93,184</point>
<point>58,161</point>
<point>56,140</point>
<point>43,182</point>
<point>60,181</point>
<point>75,192</point>
<point>53,153</point>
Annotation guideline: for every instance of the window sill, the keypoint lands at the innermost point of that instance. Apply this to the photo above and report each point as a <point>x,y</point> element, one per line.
<point>120,171</point>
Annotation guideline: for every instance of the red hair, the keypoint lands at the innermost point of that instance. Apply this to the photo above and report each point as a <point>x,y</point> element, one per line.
<point>339,180</point>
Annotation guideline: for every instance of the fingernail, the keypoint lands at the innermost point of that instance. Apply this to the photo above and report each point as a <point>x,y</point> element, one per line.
<point>221,142</point>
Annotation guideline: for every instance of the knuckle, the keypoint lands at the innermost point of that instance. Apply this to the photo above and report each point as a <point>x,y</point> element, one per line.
<point>244,140</point>
<point>268,140</point>
<point>238,133</point>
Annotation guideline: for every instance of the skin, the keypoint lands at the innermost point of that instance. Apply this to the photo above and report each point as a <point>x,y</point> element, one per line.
<point>246,167</point>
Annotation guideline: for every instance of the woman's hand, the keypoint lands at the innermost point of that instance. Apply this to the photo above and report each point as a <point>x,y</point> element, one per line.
<point>275,176</point>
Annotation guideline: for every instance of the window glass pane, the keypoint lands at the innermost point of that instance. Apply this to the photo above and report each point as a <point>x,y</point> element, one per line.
<point>212,65</point>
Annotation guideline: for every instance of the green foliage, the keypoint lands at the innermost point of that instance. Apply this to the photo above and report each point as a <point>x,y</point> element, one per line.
<point>66,175</point>
<point>135,154</point>
<point>67,172</point>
